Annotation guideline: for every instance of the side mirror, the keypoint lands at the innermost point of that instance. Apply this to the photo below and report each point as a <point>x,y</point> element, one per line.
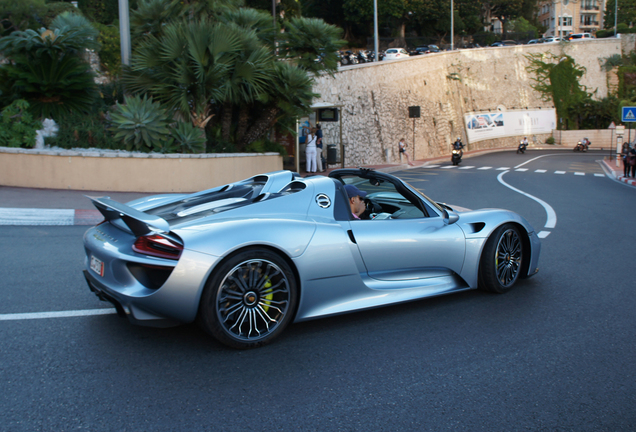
<point>450,217</point>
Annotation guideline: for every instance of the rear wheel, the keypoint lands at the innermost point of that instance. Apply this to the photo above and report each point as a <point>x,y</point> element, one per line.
<point>501,260</point>
<point>250,299</point>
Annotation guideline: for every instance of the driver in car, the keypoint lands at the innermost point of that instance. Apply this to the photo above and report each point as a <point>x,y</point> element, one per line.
<point>356,201</point>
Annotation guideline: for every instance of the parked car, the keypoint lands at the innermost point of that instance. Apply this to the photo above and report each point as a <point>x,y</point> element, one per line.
<point>536,41</point>
<point>553,39</point>
<point>246,259</point>
<point>425,49</point>
<point>504,43</point>
<point>395,53</point>
<point>580,36</point>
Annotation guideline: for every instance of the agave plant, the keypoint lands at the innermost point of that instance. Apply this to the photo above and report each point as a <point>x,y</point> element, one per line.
<point>141,124</point>
<point>188,139</point>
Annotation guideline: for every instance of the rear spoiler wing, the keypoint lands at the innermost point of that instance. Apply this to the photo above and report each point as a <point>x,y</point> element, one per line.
<point>140,223</point>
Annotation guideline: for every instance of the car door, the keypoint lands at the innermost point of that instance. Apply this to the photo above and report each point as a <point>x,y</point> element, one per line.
<point>403,249</point>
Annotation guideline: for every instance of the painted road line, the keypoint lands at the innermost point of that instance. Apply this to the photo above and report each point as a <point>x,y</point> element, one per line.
<point>449,166</point>
<point>540,171</point>
<point>579,173</point>
<point>430,166</point>
<point>559,172</point>
<point>551,214</point>
<point>543,234</point>
<point>28,216</point>
<point>503,168</point>
<point>531,160</point>
<point>484,168</point>
<point>466,167</point>
<point>60,314</point>
<point>521,169</point>
<point>599,175</point>
<point>58,217</point>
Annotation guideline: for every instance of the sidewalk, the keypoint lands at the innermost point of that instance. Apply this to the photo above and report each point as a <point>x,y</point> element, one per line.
<point>27,206</point>
<point>617,171</point>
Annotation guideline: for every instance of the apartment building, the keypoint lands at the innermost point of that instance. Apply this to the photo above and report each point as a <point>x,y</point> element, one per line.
<point>562,17</point>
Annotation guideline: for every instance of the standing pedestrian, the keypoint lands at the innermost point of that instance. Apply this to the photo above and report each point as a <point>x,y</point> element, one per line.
<point>310,151</point>
<point>319,148</point>
<point>632,161</point>
<point>625,155</point>
<point>402,145</point>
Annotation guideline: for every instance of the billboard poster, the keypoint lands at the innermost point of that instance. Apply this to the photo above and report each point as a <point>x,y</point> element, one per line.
<point>483,126</point>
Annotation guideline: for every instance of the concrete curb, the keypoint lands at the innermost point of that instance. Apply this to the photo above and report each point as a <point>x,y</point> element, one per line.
<point>617,174</point>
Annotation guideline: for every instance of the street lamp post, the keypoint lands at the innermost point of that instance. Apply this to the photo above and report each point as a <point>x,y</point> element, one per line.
<point>616,19</point>
<point>375,29</point>
<point>124,32</point>
<point>452,26</point>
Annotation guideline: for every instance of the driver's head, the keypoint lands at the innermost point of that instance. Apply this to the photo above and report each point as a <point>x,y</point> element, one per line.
<point>356,199</point>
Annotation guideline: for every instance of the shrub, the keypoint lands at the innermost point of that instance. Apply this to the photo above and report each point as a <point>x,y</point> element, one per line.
<point>81,130</point>
<point>46,68</point>
<point>110,51</point>
<point>550,140</point>
<point>141,124</point>
<point>188,139</point>
<point>56,8</point>
<point>17,126</point>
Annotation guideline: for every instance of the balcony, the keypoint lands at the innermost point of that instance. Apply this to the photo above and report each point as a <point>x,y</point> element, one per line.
<point>590,8</point>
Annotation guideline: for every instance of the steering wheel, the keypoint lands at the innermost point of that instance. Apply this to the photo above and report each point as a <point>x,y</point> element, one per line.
<point>372,206</point>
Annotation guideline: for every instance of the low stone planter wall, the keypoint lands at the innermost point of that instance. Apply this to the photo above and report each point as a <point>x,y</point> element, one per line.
<point>129,172</point>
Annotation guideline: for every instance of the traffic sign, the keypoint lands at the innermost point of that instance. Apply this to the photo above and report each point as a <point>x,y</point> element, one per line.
<point>629,114</point>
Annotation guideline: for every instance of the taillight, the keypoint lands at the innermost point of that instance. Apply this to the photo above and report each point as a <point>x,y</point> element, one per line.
<point>158,246</point>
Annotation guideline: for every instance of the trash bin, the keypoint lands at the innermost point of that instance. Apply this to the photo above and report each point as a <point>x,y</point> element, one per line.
<point>332,154</point>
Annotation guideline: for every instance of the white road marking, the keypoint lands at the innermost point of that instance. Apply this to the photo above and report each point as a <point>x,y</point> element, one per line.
<point>531,160</point>
<point>579,173</point>
<point>503,168</point>
<point>467,167</point>
<point>543,234</point>
<point>449,166</point>
<point>26,216</point>
<point>559,172</point>
<point>540,171</point>
<point>551,214</point>
<point>60,314</point>
<point>521,169</point>
<point>599,175</point>
<point>431,166</point>
<point>484,168</point>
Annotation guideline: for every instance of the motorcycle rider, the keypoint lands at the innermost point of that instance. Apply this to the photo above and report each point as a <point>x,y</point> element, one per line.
<point>458,145</point>
<point>586,142</point>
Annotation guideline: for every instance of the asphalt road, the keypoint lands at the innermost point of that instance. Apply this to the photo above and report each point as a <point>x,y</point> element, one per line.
<point>557,353</point>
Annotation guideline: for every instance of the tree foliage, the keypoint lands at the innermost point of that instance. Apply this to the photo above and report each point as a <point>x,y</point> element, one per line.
<point>230,69</point>
<point>46,68</point>
<point>557,78</point>
<point>626,13</point>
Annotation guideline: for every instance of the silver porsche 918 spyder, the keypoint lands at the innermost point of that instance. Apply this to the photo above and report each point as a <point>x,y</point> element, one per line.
<point>248,258</point>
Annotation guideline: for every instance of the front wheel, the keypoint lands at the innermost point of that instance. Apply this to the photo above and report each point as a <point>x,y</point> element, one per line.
<point>250,299</point>
<point>502,259</point>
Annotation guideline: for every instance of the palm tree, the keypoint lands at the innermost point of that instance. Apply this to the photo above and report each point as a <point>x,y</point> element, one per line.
<point>46,68</point>
<point>187,67</point>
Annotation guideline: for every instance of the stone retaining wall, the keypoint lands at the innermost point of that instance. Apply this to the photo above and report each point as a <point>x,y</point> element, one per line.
<point>375,96</point>
<point>129,172</point>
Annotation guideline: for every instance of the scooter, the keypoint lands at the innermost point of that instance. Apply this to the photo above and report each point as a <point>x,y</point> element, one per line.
<point>580,147</point>
<point>456,157</point>
<point>348,58</point>
<point>522,147</point>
